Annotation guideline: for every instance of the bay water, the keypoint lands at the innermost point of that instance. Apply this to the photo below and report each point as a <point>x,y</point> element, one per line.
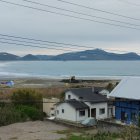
<point>58,69</point>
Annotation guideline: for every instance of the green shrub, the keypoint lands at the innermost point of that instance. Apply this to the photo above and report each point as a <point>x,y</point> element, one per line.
<point>9,114</point>
<point>27,97</point>
<point>31,112</point>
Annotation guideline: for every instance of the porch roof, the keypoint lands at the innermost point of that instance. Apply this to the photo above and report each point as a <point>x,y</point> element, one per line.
<point>77,104</point>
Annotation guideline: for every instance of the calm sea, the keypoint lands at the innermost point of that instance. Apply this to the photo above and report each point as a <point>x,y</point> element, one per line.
<point>61,69</point>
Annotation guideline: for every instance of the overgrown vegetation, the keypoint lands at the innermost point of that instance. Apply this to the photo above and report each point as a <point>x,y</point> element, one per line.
<point>9,114</point>
<point>127,133</point>
<point>98,136</point>
<point>27,97</point>
<point>25,105</point>
<point>110,87</point>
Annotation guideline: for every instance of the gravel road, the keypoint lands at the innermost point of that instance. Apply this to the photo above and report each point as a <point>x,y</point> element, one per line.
<point>37,130</point>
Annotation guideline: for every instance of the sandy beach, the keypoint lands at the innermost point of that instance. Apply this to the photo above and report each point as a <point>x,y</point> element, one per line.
<point>35,82</point>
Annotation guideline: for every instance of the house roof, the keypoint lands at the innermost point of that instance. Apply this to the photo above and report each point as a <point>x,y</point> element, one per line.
<point>77,104</point>
<point>128,88</point>
<point>87,94</point>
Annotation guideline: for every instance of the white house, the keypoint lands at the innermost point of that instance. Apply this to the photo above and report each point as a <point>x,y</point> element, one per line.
<point>72,110</point>
<point>81,103</point>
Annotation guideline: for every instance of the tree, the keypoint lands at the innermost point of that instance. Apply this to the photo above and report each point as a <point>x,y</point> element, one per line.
<point>110,87</point>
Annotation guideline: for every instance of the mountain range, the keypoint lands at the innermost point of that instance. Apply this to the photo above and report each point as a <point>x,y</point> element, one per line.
<point>96,54</point>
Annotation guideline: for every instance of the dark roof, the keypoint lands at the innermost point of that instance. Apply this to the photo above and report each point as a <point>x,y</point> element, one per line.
<point>87,94</point>
<point>77,104</point>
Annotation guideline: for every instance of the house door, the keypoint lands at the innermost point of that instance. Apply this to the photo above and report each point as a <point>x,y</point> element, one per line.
<point>123,116</point>
<point>93,112</point>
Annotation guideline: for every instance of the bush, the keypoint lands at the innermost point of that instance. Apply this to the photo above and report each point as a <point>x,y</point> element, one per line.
<point>31,112</point>
<point>27,97</point>
<point>110,87</point>
<point>9,114</point>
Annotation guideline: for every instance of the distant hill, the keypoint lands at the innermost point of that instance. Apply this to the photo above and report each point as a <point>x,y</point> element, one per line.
<point>29,57</point>
<point>8,57</point>
<point>96,54</point>
<point>45,57</point>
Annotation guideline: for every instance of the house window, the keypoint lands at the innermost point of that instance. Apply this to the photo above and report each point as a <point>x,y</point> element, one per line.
<point>82,113</point>
<point>62,110</point>
<point>102,111</point>
<point>57,111</point>
<point>69,96</point>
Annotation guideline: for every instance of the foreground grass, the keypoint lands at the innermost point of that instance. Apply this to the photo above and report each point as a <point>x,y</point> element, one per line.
<point>98,136</point>
<point>128,133</point>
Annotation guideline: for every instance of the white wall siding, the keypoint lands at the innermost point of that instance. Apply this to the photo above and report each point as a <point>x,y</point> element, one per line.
<point>69,112</point>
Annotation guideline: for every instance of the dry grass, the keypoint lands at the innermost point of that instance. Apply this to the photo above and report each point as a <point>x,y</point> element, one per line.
<point>46,92</point>
<point>48,88</point>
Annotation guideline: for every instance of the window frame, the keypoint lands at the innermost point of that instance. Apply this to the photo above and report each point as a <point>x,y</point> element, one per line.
<point>101,111</point>
<point>69,96</point>
<point>63,110</point>
<point>80,113</point>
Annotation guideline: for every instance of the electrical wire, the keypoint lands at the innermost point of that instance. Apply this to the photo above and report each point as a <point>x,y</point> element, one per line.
<point>42,44</point>
<point>53,48</point>
<point>75,12</point>
<point>44,41</point>
<point>35,46</point>
<point>99,10</point>
<point>67,15</point>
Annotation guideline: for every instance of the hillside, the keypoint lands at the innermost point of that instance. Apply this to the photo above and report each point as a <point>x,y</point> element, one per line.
<point>8,57</point>
<point>96,54</point>
<point>29,57</point>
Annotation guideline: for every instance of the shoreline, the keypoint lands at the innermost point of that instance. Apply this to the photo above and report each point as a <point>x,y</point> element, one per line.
<point>3,77</point>
<point>46,82</point>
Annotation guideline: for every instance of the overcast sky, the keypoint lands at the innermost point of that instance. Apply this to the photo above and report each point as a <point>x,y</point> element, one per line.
<point>19,21</point>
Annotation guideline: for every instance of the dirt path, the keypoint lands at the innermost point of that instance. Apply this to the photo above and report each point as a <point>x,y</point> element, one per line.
<point>32,131</point>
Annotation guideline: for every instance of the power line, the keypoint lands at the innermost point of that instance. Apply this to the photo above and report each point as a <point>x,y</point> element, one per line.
<point>76,17</point>
<point>54,48</point>
<point>44,41</point>
<point>75,12</point>
<point>95,9</point>
<point>41,43</point>
<point>28,45</point>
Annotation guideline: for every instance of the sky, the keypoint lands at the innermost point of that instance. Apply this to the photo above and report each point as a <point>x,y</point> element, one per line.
<point>30,23</point>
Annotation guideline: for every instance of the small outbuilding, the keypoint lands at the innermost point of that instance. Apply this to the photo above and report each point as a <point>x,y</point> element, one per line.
<point>127,100</point>
<point>49,106</point>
